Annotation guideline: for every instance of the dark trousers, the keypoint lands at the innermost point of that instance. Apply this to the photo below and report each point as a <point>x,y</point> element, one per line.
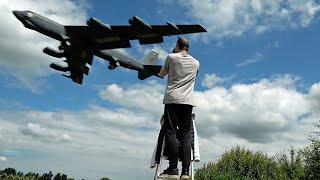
<point>178,115</point>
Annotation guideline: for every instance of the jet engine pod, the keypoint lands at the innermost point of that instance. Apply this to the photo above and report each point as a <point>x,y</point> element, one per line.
<point>153,40</point>
<point>97,24</point>
<point>138,22</point>
<point>59,67</point>
<point>52,52</point>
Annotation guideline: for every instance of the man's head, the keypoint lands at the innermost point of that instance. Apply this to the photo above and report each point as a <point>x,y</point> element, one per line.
<point>182,45</point>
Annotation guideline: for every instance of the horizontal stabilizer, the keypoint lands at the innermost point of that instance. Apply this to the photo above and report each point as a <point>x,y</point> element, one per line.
<point>148,71</point>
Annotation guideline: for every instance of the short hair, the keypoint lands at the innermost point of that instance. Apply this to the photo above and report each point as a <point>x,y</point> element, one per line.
<point>183,43</point>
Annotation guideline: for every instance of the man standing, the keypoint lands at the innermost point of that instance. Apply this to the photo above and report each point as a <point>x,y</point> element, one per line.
<point>182,70</point>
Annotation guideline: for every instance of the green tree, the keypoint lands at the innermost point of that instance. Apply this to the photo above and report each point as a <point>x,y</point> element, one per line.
<point>291,167</point>
<point>30,174</point>
<point>44,176</point>
<point>311,155</point>
<point>64,177</point>
<point>104,178</point>
<point>20,173</point>
<point>9,171</point>
<point>240,163</point>
<point>57,177</point>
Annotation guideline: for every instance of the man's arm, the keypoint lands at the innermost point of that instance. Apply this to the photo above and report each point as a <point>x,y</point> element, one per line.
<point>165,68</point>
<point>163,72</point>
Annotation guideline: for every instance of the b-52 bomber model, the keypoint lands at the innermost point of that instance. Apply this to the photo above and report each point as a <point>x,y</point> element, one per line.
<point>80,43</point>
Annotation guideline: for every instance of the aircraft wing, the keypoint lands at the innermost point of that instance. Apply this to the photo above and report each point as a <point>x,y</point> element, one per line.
<point>77,60</point>
<point>106,36</point>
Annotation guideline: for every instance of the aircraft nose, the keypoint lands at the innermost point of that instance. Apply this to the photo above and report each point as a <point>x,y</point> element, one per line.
<point>17,14</point>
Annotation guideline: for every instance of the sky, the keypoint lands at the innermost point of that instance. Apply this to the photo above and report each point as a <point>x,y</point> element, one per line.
<point>257,87</point>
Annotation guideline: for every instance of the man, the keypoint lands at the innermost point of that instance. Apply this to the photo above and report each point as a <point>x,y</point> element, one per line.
<point>182,70</point>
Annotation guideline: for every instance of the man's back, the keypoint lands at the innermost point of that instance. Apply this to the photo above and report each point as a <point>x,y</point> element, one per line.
<point>182,74</point>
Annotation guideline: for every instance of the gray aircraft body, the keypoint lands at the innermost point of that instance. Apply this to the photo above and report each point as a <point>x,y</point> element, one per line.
<point>80,43</point>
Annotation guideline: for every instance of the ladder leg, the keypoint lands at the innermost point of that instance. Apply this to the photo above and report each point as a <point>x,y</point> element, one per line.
<point>192,171</point>
<point>157,172</point>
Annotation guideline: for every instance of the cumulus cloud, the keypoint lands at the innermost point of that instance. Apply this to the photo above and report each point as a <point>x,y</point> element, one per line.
<point>45,134</point>
<point>314,99</point>
<point>21,49</point>
<point>211,80</point>
<point>148,96</point>
<point>258,112</point>
<point>2,158</point>
<point>225,18</point>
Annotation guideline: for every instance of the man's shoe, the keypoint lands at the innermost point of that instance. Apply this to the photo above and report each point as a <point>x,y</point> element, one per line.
<point>170,174</point>
<point>184,175</point>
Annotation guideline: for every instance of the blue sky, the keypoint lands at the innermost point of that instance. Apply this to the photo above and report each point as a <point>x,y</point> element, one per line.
<point>257,86</point>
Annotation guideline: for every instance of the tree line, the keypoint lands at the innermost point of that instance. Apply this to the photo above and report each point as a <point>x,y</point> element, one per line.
<point>10,172</point>
<point>244,164</point>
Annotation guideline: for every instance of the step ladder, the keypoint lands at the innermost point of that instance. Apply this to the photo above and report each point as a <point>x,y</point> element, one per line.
<point>158,168</point>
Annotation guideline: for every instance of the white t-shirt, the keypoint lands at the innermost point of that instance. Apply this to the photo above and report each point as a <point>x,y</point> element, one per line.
<point>182,70</point>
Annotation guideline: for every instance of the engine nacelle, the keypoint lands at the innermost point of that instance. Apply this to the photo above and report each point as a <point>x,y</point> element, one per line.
<point>138,22</point>
<point>59,68</point>
<point>97,24</point>
<point>54,53</point>
<point>152,40</point>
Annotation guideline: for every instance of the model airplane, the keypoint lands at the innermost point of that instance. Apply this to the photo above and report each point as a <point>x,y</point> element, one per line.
<point>80,43</point>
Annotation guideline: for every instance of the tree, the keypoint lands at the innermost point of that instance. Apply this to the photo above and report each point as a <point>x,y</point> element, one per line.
<point>44,176</point>
<point>104,178</point>
<point>64,177</point>
<point>240,163</point>
<point>311,155</point>
<point>30,174</point>
<point>20,173</point>
<point>9,171</point>
<point>57,177</point>
<point>291,167</point>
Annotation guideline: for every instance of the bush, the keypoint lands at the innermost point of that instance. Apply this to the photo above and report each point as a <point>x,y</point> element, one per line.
<point>239,163</point>
<point>311,156</point>
<point>291,168</point>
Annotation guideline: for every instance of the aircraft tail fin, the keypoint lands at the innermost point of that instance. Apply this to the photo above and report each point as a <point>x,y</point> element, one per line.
<point>151,58</point>
<point>149,70</point>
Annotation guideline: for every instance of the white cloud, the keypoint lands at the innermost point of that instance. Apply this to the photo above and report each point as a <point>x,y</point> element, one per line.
<point>258,112</point>
<point>226,18</point>
<point>45,134</point>
<point>256,57</point>
<point>265,115</point>
<point>211,80</point>
<point>21,49</point>
<point>2,158</point>
<point>147,97</point>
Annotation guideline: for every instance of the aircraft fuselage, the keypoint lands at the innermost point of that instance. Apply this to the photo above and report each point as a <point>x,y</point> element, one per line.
<point>41,24</point>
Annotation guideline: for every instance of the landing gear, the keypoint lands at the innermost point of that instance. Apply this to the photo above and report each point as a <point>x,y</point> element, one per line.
<point>113,65</point>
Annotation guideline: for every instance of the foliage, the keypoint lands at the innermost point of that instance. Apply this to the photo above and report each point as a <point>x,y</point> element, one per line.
<point>291,168</point>
<point>32,176</point>
<point>240,163</point>
<point>311,155</point>
<point>10,171</point>
<point>104,178</point>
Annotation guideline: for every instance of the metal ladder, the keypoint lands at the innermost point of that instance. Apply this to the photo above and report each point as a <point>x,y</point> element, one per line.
<point>158,167</point>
